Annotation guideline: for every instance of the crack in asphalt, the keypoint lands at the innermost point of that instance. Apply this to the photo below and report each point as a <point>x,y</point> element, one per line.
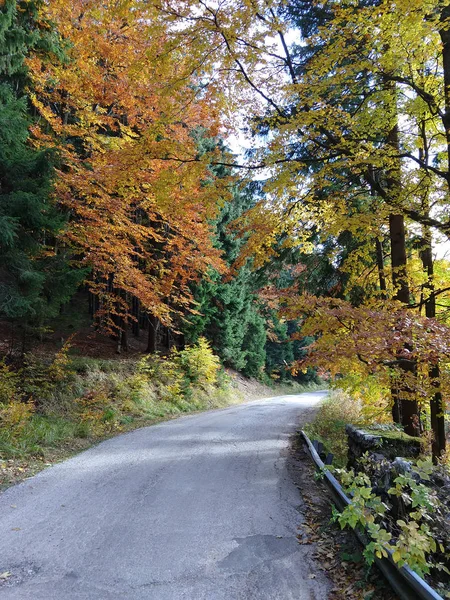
<point>198,508</point>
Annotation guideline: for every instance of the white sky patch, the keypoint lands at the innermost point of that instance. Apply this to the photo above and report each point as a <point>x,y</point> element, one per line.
<point>441,249</point>
<point>240,141</point>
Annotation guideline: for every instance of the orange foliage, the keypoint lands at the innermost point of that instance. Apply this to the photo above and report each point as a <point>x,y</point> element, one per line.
<point>121,112</point>
<point>379,338</point>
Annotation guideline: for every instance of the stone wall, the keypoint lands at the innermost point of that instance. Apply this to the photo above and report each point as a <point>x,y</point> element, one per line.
<point>389,444</point>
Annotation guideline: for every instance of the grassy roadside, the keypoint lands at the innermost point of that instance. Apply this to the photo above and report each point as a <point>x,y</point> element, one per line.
<point>17,469</point>
<point>53,408</point>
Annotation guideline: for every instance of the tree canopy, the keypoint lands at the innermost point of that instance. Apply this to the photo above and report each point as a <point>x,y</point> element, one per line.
<point>116,181</point>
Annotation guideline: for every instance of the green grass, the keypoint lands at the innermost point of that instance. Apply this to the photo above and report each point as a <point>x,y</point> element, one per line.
<point>86,364</point>
<point>38,433</point>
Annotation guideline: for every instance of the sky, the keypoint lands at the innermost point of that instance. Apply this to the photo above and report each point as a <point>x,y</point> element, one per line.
<point>239,142</point>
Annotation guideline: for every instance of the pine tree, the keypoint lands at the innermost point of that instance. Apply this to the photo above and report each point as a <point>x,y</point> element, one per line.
<point>229,310</point>
<point>35,278</point>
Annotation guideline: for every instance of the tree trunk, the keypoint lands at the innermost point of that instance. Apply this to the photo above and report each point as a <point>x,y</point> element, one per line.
<point>380,266</point>
<point>378,244</point>
<point>437,409</point>
<point>152,331</point>
<point>122,335</point>
<point>136,309</point>
<point>91,303</point>
<point>125,346</point>
<point>180,342</point>
<point>167,342</point>
<point>398,258</point>
<point>445,38</point>
<point>406,410</point>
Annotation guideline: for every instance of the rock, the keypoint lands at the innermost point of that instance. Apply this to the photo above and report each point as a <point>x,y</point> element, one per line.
<point>384,443</point>
<point>401,465</point>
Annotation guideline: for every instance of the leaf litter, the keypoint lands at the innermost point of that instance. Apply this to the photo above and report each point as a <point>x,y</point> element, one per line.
<point>336,552</point>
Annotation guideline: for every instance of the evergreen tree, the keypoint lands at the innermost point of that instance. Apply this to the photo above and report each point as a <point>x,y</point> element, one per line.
<point>35,278</point>
<point>229,310</point>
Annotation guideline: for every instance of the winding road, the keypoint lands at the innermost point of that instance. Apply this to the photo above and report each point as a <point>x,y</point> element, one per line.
<point>197,508</point>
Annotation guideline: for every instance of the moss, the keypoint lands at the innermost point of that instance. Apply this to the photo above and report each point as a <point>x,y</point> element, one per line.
<point>393,435</point>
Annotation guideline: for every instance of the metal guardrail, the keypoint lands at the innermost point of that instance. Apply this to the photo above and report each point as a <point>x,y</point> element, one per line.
<point>405,582</point>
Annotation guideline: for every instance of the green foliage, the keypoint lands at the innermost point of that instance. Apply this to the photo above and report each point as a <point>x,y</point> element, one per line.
<point>335,412</point>
<point>279,350</point>
<point>283,348</point>
<point>254,345</point>
<point>34,281</point>
<point>229,312</point>
<point>412,540</point>
<point>38,433</point>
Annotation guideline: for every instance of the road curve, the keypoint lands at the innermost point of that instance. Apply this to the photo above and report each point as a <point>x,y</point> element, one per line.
<point>198,508</point>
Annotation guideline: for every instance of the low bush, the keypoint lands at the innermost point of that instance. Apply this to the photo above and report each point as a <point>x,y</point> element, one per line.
<point>335,412</point>
<point>400,511</point>
<point>51,401</point>
<point>198,364</point>
<point>9,384</point>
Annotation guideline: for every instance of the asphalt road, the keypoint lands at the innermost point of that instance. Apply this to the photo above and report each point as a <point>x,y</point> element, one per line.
<point>198,508</point>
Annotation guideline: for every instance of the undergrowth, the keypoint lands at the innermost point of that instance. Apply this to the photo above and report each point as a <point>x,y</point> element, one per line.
<point>47,403</point>
<point>402,507</point>
<point>352,400</point>
<point>400,512</point>
<point>334,413</point>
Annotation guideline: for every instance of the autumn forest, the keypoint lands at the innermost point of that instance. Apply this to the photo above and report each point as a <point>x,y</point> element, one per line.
<point>194,190</point>
<point>311,252</point>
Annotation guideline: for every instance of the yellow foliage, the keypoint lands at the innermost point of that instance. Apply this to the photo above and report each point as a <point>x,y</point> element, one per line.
<point>199,363</point>
<point>369,393</point>
<point>96,410</point>
<point>58,370</point>
<point>9,383</point>
<point>15,415</point>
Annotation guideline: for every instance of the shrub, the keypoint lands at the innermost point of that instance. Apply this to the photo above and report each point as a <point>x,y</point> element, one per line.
<point>9,384</point>
<point>335,412</point>
<point>409,520</point>
<point>42,379</point>
<point>199,364</point>
<point>14,416</point>
<point>98,412</point>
